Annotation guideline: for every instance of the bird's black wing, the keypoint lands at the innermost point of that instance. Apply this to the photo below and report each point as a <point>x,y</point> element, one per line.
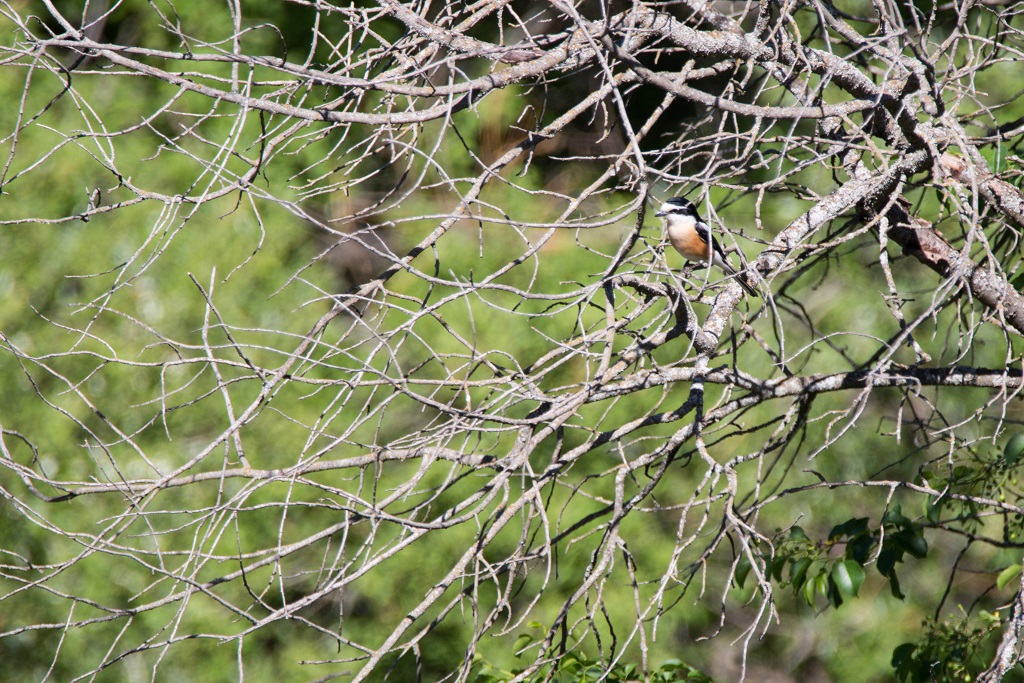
<point>704,232</point>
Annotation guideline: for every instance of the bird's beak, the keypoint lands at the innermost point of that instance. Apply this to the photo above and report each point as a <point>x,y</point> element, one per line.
<point>660,213</point>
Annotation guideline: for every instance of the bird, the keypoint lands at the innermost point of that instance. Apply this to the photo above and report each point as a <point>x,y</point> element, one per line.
<point>692,237</point>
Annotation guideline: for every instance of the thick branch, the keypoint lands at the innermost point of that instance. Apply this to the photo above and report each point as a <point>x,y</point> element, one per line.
<point>920,240</point>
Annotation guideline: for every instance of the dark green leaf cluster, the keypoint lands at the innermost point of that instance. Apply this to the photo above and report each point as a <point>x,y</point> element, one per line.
<point>978,477</point>
<point>814,569</point>
<point>949,652</point>
<point>575,666</point>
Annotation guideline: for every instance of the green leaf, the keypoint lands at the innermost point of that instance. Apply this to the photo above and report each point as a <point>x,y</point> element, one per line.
<point>808,591</point>
<point>859,548</point>
<point>895,516</point>
<point>894,586</point>
<point>851,527</point>
<point>1007,575</point>
<point>1013,449</point>
<point>798,570</point>
<point>742,570</point>
<point>835,596</point>
<point>848,577</point>
<point>961,472</point>
<point>841,578</point>
<point>915,543</point>
<point>886,561</point>
<point>903,659</point>
<point>1018,282</point>
<point>821,583</point>
<point>991,619</point>
<point>674,671</point>
<point>522,641</point>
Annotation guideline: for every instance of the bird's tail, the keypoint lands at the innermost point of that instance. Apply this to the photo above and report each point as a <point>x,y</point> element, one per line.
<point>719,260</point>
<point>741,278</point>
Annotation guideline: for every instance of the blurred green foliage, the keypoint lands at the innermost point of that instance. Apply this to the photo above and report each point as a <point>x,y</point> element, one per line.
<point>148,273</point>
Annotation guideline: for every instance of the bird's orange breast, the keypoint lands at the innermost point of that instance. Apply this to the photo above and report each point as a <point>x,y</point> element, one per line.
<point>690,245</point>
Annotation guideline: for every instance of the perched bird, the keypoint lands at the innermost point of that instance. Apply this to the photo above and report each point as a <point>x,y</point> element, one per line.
<point>692,237</point>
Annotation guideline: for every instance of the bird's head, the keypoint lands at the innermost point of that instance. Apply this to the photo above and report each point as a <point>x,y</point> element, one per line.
<point>679,206</point>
